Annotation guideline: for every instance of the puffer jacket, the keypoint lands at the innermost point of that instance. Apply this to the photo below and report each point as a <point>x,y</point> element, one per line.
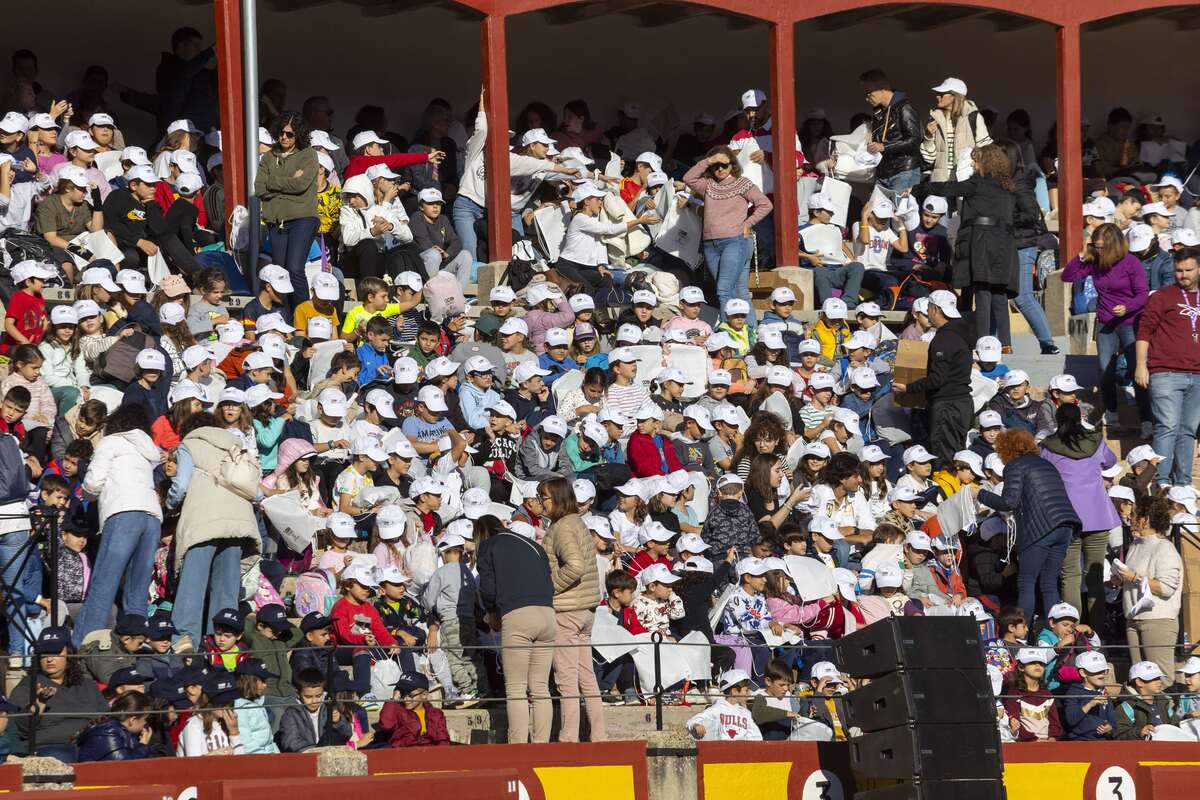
<point>1134,713</point>
<point>109,741</point>
<point>1035,494</point>
<point>255,726</point>
<point>568,545</point>
<point>1028,224</point>
<point>210,511</point>
<point>731,524</point>
<point>899,130</point>
<point>970,131</point>
<point>60,369</point>
<point>121,475</point>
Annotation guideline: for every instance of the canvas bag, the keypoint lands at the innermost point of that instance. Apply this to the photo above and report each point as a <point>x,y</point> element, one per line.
<point>628,244</point>
<point>681,233</point>
<point>444,296</point>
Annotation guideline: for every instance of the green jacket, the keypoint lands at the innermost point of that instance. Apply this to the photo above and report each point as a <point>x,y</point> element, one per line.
<point>284,196</point>
<point>274,654</point>
<point>1133,713</point>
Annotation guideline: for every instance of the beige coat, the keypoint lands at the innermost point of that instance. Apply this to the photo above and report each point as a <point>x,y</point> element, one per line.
<point>934,149</point>
<point>573,570</point>
<point>1155,557</point>
<point>210,511</point>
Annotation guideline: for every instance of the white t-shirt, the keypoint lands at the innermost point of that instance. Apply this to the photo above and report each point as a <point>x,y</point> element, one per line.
<point>852,512</point>
<point>193,741</point>
<point>873,255</point>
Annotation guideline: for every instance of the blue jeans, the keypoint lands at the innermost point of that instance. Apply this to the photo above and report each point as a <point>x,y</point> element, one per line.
<point>290,243</point>
<point>213,570</point>
<point>764,233</point>
<point>464,216</point>
<point>901,180</point>
<point>22,571</point>
<point>1026,300</point>
<point>847,277</point>
<point>1175,398</point>
<point>1041,563</point>
<point>728,260</point>
<point>1113,341</point>
<point>128,542</point>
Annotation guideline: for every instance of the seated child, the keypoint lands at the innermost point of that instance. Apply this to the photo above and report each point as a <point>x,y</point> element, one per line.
<point>658,604</point>
<point>772,711</point>
<point>373,353</point>
<point>688,320</point>
<point>409,719</point>
<point>556,359</point>
<point>225,646</point>
<point>310,722</point>
<point>727,719</point>
<point>312,650</point>
<point>735,326</point>
<point>1032,710</point>
<point>823,701</point>
<point>1088,713</point>
<point>1065,638</point>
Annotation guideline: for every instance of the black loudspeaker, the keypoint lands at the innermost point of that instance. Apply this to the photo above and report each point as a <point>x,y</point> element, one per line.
<point>929,752</point>
<point>910,643</point>
<point>991,789</point>
<point>921,697</point>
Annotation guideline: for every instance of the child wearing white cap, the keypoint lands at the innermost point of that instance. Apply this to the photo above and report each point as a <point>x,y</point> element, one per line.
<point>658,605</point>
<point>547,309</point>
<point>541,456</point>
<point>1066,639</point>
<point>783,303</point>
<point>874,240</point>
<point>1143,704</point>
<point>650,452</point>
<point>1032,709</point>
<point>728,719</point>
<point>691,298</point>
<point>1088,713</point>
<point>737,326</point>
<point>556,358</point>
<point>747,617</point>
<point>441,249</point>
<point>831,329</point>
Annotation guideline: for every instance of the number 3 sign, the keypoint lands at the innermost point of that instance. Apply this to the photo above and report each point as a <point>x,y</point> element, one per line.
<point>822,785</point>
<point>1115,783</point>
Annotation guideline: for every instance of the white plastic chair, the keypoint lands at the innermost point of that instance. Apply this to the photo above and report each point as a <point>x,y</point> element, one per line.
<point>564,384</point>
<point>650,361</point>
<point>693,362</point>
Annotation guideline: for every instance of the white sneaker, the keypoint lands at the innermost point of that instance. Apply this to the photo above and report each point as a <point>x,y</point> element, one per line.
<point>1147,430</point>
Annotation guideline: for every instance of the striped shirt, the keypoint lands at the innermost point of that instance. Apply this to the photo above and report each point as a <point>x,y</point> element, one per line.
<point>627,400</point>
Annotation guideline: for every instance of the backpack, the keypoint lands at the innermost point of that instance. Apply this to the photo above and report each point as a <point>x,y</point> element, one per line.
<point>521,268</point>
<point>239,472</point>
<point>14,480</point>
<point>118,364</point>
<point>444,295</point>
<point>316,590</point>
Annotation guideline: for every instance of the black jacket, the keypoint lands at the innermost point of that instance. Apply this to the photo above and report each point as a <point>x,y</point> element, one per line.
<point>1028,225</point>
<point>984,576</point>
<point>897,128</point>
<point>1035,494</point>
<point>948,369</point>
<point>514,572</point>
<point>697,597</point>
<point>439,233</point>
<point>985,250</point>
<point>128,220</point>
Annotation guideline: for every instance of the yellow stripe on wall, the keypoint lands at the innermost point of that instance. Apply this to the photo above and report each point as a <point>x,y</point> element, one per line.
<point>1029,781</point>
<point>587,783</point>
<point>759,780</point>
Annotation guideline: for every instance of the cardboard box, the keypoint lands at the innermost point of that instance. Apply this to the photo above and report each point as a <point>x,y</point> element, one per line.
<point>912,359</point>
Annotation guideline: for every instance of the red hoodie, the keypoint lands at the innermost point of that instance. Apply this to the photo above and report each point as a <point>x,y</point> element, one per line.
<point>643,559</point>
<point>359,164</point>
<point>343,614</point>
<point>645,458</point>
<point>404,728</point>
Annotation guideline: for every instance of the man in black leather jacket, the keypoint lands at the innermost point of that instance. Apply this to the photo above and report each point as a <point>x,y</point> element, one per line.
<point>895,132</point>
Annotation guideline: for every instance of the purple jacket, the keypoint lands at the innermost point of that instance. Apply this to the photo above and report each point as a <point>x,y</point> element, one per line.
<point>1123,285</point>
<point>1085,487</point>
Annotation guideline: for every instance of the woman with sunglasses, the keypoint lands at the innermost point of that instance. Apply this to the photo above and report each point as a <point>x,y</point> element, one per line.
<point>733,205</point>
<point>287,185</point>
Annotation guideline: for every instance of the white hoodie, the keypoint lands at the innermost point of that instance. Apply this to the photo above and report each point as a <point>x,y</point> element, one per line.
<point>725,722</point>
<point>121,475</point>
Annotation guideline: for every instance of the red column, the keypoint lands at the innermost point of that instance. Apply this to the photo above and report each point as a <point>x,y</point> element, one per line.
<point>1070,144</point>
<point>783,132</point>
<point>495,85</point>
<point>229,89</point>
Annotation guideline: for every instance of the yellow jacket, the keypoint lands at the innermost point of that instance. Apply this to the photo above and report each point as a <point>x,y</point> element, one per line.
<point>830,337</point>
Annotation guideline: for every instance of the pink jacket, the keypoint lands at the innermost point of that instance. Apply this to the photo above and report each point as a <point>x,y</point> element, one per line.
<point>784,612</point>
<point>541,321</point>
<point>729,205</point>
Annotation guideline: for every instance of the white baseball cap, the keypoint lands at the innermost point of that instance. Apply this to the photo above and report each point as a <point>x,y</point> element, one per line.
<point>1015,378</point>
<point>325,286</point>
<point>751,566</point>
<point>730,479</point>
<point>24,270</point>
<point>1140,236</point>
<point>651,158</point>
<point>826,670</point>
<point>86,308</point>
<point>1158,208</point>
<point>383,402</point>
<point>1123,493</point>
<point>935,205</point>
<point>720,377</point>
<point>629,334</point>
<point>727,413</point>
<point>405,371</point>
<point>873,454</point>
<point>260,393</point>
<point>987,349</point>
<point>1036,655</point>
<point>14,122</point>
<point>440,367</point>
<point>692,295</point>
<point>1184,496</point>
<point>514,325</point>
<point>171,313</point>
<point>1169,180</point>
<point>583,490</point>
<point>849,419</point>
<point>993,464</point>
<point>364,138</point>
<point>918,540</point>
<point>150,359</point>
<point>259,359</point>
<point>581,302</point>
<point>870,309</point>
<point>657,573</point>
<point>889,576</point>
<point>818,201</point>
<point>648,410</point>
<point>1145,671</point>
<point>619,355</point>
<point>859,340</point>
<point>319,328</point>
<point>696,564</point>
<point>1065,383</point>
<point>864,378</point>
<point>141,172</point>
<point>433,399</point>
<point>672,374</point>
<point>557,337</point>
<point>816,450</point>
<point>81,139</point>
<point>410,280</point>
<point>771,338</point>
<point>1092,661</point>
<point>951,85</point>
<point>717,341</point>
<point>585,190</point>
<point>554,425</point>
<point>333,402</point>
<point>821,380</point>
<point>538,293</point>
<point>1063,611</point>
<point>990,419</point>
<point>834,308</point>
<point>528,369</point>
<point>536,136</point>
<point>826,527</point>
<point>502,294</point>
<point>368,446</point>
<point>783,295</point>
<point>42,121</point>
<point>232,394</point>
<point>972,460</point>
<point>731,678</point>
<point>92,276</point>
<point>701,416</point>
<point>917,454</point>
<point>1143,452</point>
<point>736,306</point>
<point>779,376</point>
<point>502,408</point>
<point>341,525</point>
<point>946,301</point>
<point>753,98</point>
<point>64,315</point>
<point>809,346</point>
<point>645,297</point>
<point>196,355</point>
<point>630,488</point>
<point>430,195</point>
<point>883,209</point>
<point>277,277</point>
<point>1190,667</point>
<point>402,448</point>
<point>902,494</point>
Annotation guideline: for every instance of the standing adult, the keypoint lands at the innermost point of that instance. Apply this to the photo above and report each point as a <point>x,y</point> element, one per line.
<point>518,594</point>
<point>1152,631</point>
<point>1079,455</point>
<point>895,133</point>
<point>576,579</point>
<point>1028,227</point>
<point>947,381</point>
<point>286,183</point>
<point>121,476</point>
<point>757,113</point>
<point>733,205</point>
<point>1122,293</point>
<point>985,250</point>
<point>1046,521</point>
<point>1168,364</point>
<point>216,524</point>
<point>955,128</point>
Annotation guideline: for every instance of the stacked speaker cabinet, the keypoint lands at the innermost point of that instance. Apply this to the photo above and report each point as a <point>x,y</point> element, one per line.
<point>925,711</point>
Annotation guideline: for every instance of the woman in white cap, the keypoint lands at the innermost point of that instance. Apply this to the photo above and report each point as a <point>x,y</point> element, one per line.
<point>583,258</point>
<point>1152,568</point>
<point>954,126</point>
<point>733,205</point>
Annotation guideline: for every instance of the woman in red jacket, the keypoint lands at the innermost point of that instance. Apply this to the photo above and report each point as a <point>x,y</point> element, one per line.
<point>411,721</point>
<point>651,453</point>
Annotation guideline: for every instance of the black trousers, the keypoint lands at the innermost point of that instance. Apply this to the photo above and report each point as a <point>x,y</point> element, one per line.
<point>949,421</point>
<point>595,284</point>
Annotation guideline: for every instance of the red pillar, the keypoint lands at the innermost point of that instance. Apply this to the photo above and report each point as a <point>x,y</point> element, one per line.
<point>1070,144</point>
<point>783,132</point>
<point>495,85</point>
<point>229,90</point>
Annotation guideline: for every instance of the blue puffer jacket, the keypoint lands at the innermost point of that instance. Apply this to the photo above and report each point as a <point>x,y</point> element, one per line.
<point>1080,725</point>
<point>1034,493</point>
<point>108,741</point>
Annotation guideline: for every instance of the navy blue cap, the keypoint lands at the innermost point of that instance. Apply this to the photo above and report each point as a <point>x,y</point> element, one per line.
<point>221,687</point>
<point>127,676</point>
<point>52,641</point>
<point>412,681</point>
<point>314,620</point>
<point>171,690</point>
<point>255,667</point>
<point>275,617</point>
<point>130,625</point>
<point>161,627</point>
<point>193,676</point>
<point>229,618</point>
